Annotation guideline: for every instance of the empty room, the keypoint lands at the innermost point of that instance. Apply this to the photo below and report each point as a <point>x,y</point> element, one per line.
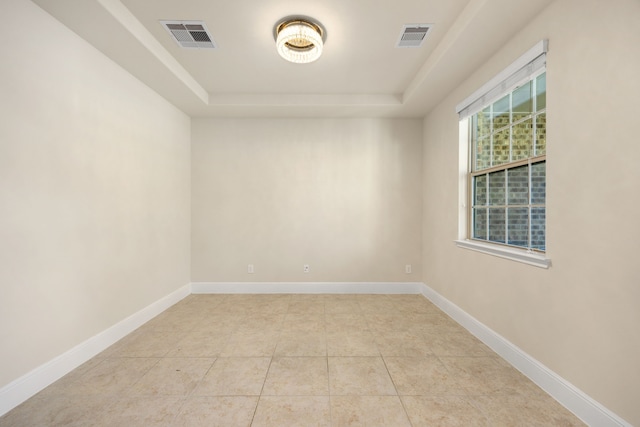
<point>336,213</point>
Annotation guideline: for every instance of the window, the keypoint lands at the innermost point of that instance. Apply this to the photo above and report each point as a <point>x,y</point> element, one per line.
<point>508,146</point>
<point>504,127</point>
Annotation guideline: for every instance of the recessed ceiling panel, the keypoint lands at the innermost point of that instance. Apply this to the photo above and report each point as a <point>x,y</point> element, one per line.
<point>359,55</point>
<point>361,72</point>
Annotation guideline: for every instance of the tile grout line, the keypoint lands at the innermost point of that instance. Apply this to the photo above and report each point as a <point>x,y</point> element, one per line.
<point>326,352</point>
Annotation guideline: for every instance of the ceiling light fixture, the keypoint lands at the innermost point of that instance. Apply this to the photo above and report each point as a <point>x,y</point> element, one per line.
<point>299,39</point>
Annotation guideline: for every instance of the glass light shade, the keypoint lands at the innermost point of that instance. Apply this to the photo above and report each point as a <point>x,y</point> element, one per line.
<point>299,42</point>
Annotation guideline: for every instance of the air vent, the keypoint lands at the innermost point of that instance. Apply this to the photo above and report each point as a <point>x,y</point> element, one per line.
<point>190,34</point>
<point>413,35</point>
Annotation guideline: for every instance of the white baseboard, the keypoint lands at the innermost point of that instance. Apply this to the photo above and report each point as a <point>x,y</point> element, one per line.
<point>31,383</point>
<point>306,287</point>
<point>583,406</point>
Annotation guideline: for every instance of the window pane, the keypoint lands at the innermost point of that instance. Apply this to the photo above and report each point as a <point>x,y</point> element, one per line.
<point>522,139</point>
<point>483,154</point>
<point>518,226</point>
<point>522,102</point>
<point>501,147</point>
<point>541,92</point>
<point>501,113</point>
<point>483,124</point>
<point>537,228</point>
<point>497,225</point>
<point>538,183</point>
<point>496,188</point>
<point>541,134</point>
<point>480,223</point>
<point>519,185</point>
<point>480,190</point>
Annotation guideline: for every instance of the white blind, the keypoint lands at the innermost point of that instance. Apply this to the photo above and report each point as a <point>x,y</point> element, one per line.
<point>522,69</point>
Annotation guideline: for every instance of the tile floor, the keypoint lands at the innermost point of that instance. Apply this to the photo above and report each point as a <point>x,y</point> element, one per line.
<point>295,360</point>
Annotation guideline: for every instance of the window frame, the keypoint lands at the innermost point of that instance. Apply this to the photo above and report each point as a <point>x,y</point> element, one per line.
<point>526,68</point>
<point>471,205</point>
<point>508,165</point>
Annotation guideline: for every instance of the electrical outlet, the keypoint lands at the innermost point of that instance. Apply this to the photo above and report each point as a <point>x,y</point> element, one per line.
<point>306,268</point>
<point>250,269</point>
<point>407,268</point>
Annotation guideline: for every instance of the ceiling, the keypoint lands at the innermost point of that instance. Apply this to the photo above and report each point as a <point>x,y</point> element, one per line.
<point>361,72</point>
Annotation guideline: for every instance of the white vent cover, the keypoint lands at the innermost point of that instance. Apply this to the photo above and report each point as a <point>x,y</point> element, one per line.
<point>413,35</point>
<point>190,34</point>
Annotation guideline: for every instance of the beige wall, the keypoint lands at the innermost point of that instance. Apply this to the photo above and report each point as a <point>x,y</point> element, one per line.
<point>94,192</point>
<point>580,318</point>
<point>342,195</point>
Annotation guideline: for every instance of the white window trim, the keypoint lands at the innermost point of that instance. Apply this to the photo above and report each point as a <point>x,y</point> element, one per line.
<point>515,254</point>
<point>520,255</point>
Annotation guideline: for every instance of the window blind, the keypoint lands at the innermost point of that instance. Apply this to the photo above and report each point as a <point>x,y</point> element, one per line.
<point>522,69</point>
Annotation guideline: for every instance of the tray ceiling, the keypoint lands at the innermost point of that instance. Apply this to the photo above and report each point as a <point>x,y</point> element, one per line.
<point>362,72</point>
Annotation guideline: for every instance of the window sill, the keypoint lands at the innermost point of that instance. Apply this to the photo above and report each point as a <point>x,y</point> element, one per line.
<point>519,255</point>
